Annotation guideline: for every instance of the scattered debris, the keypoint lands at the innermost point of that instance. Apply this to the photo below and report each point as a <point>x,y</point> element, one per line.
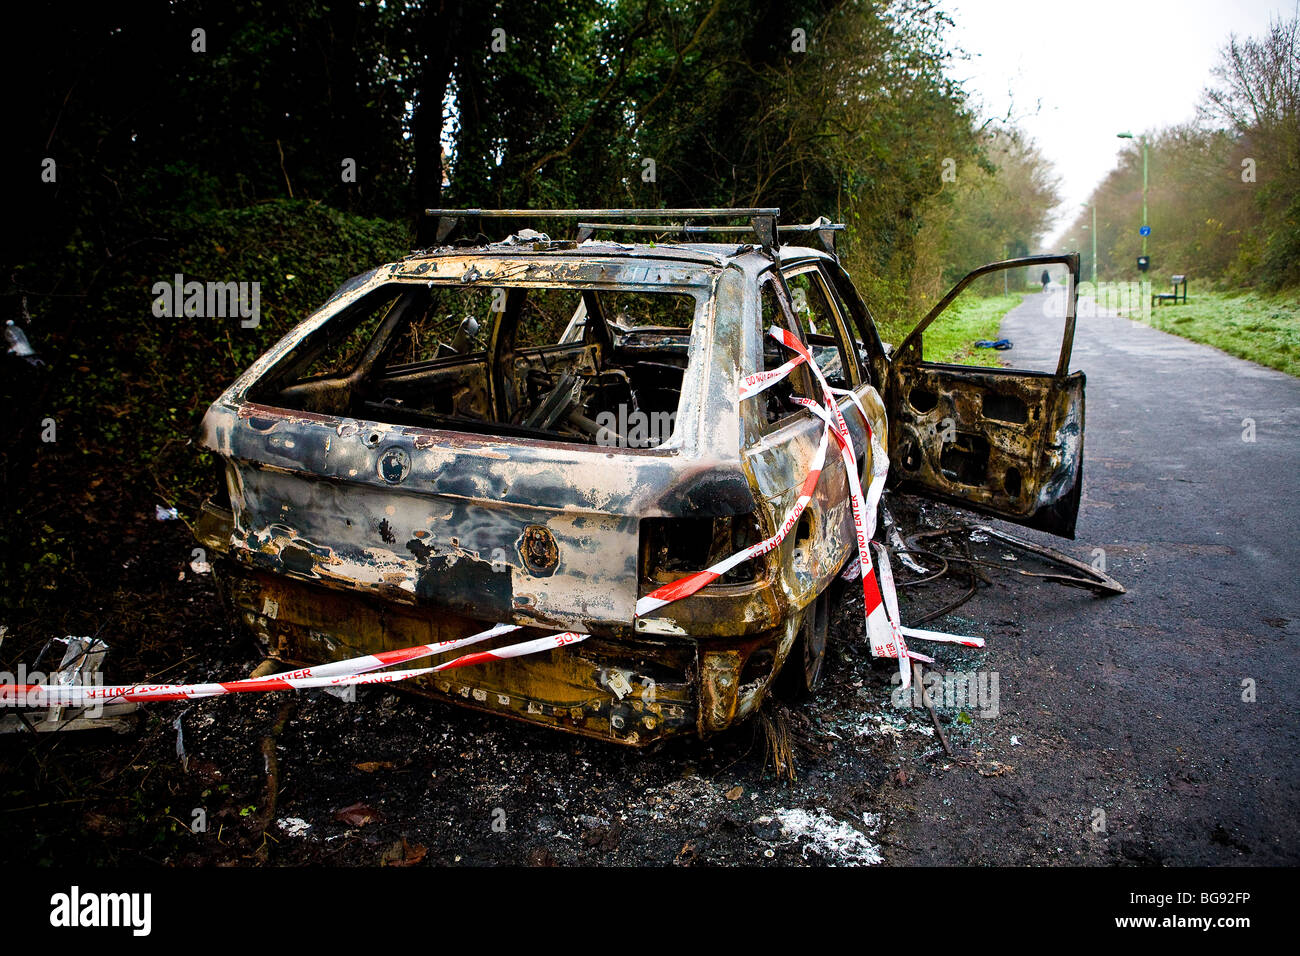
<point>180,744</point>
<point>895,541</point>
<point>1085,576</point>
<point>788,732</point>
<point>358,815</point>
<point>271,763</point>
<point>80,665</point>
<point>1088,576</point>
<point>889,726</point>
<point>523,237</point>
<point>821,833</point>
<point>918,677</point>
<point>776,741</point>
<point>19,346</point>
<point>293,826</point>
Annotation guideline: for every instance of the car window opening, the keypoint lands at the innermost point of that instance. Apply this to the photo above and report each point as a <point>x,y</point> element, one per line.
<point>595,366</point>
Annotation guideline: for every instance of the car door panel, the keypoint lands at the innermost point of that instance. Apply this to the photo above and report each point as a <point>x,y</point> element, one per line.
<point>1005,442</point>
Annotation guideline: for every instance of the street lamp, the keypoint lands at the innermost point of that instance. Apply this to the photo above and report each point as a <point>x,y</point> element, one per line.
<point>1093,207</point>
<point>1094,245</point>
<point>1145,230</point>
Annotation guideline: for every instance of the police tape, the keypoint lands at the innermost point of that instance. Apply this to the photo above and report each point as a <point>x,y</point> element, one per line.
<point>42,695</point>
<point>686,586</point>
<point>886,635</point>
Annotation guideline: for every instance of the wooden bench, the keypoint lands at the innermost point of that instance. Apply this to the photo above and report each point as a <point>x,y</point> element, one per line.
<point>1158,297</point>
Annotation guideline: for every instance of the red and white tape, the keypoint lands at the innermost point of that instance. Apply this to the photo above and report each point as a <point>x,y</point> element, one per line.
<point>353,672</point>
<point>884,631</point>
<point>685,587</point>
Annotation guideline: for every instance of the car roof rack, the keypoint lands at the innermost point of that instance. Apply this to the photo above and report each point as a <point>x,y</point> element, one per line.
<point>763,222</point>
<point>822,229</point>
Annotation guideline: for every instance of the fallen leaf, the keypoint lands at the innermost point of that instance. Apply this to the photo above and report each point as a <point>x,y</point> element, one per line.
<point>735,792</point>
<point>403,854</point>
<point>357,815</point>
<point>370,766</point>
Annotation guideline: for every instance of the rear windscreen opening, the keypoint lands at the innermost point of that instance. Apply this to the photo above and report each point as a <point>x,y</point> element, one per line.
<point>596,366</point>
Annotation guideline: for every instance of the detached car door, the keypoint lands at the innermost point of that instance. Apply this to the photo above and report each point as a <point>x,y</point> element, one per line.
<point>1003,441</point>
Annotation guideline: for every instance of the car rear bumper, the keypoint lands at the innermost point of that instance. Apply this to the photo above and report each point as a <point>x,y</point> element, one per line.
<point>629,688</point>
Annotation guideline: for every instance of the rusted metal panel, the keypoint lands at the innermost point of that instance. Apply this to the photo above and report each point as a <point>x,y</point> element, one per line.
<point>1008,444</point>
<point>346,535</point>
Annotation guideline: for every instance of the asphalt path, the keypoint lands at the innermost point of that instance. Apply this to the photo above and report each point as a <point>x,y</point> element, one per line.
<point>1158,727</point>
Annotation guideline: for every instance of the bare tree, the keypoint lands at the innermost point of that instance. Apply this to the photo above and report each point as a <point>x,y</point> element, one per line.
<point>1258,81</point>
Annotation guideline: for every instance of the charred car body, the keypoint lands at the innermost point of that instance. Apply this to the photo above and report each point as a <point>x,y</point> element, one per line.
<point>540,432</point>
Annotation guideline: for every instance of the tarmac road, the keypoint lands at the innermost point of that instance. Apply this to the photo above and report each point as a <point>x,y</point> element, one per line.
<point>1138,707</point>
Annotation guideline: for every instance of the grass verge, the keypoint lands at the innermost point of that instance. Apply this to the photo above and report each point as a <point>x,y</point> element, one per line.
<point>953,335</point>
<point>1263,329</point>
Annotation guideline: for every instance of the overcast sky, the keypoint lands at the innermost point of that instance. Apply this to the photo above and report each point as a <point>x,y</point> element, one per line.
<point>1077,72</point>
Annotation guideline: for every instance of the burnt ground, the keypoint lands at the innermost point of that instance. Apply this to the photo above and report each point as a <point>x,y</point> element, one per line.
<point>1131,705</point>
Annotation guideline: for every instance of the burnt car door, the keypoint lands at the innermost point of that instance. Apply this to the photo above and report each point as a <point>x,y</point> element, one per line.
<point>1003,441</point>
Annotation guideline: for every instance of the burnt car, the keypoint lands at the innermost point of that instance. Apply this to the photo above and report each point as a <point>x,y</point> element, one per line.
<point>541,432</point>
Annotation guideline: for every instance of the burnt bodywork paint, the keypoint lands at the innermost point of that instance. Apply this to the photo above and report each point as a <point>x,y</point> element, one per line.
<point>339,534</point>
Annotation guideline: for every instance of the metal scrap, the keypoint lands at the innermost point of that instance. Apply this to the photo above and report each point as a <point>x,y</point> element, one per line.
<point>80,665</point>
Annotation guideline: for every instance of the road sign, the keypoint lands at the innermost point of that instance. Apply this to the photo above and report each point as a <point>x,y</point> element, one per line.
<point>1144,231</point>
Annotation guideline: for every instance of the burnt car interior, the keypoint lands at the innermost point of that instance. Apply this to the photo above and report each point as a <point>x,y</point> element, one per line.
<point>593,365</point>
<point>819,324</point>
<point>532,362</point>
